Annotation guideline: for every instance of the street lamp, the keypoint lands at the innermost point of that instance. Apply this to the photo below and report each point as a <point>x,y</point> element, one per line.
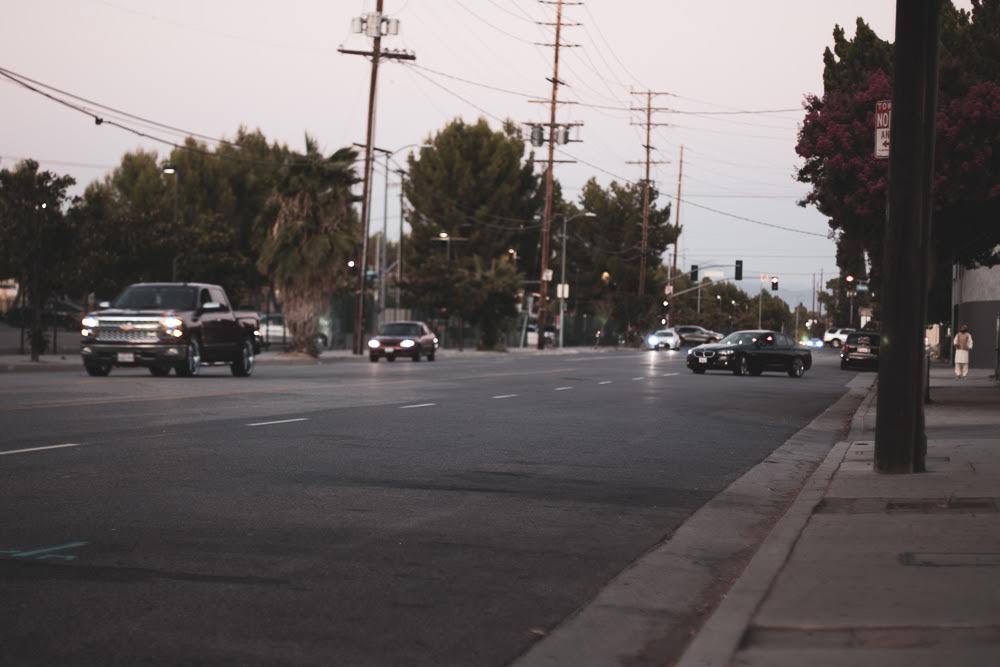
<point>564,288</point>
<point>850,296</point>
<point>171,170</point>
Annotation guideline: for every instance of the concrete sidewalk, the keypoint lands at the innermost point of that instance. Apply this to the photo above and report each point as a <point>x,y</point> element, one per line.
<point>868,569</point>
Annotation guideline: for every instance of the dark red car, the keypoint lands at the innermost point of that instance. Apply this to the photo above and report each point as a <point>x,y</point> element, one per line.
<point>407,339</point>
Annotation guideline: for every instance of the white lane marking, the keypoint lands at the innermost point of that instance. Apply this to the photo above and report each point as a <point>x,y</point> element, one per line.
<point>642,378</point>
<point>670,375</point>
<point>506,396</point>
<point>418,405</point>
<point>280,421</point>
<point>563,388</point>
<point>606,382</point>
<point>38,449</point>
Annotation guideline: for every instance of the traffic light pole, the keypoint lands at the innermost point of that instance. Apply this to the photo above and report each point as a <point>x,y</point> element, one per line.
<point>900,439</point>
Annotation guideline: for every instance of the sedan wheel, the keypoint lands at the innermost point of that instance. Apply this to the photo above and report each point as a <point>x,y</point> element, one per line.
<point>742,366</point>
<point>797,369</point>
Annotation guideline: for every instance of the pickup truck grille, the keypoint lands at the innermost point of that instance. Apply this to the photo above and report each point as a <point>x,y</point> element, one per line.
<point>117,334</point>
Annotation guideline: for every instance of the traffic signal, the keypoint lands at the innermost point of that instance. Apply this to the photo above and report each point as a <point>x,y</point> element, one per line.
<point>739,269</point>
<point>666,306</point>
<point>774,284</point>
<point>694,273</point>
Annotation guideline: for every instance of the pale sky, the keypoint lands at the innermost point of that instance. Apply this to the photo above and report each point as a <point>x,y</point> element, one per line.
<point>209,66</point>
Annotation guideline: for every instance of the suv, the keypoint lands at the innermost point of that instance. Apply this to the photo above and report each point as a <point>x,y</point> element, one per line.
<point>169,326</point>
<point>860,349</point>
<point>836,337</point>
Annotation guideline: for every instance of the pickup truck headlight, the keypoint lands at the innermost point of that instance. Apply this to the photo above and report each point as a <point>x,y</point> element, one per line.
<point>89,322</point>
<point>373,344</point>
<point>407,343</point>
<point>171,322</point>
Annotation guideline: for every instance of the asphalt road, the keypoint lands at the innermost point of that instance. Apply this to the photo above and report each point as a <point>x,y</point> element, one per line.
<point>445,513</point>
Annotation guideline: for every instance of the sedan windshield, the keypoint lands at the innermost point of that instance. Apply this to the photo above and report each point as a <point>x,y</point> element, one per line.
<point>739,338</point>
<point>400,329</point>
<point>157,297</point>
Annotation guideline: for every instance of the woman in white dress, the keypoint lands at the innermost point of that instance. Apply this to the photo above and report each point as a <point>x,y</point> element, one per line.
<point>963,343</point>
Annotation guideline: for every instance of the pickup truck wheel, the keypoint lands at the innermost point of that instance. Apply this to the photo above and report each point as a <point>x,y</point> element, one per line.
<point>243,365</point>
<point>98,370</point>
<point>192,362</point>
<point>159,371</point>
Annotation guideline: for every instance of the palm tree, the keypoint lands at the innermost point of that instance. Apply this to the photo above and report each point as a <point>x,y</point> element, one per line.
<point>312,232</point>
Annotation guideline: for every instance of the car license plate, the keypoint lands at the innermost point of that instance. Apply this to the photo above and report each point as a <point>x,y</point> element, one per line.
<point>126,357</point>
<point>702,360</point>
<point>390,349</point>
<point>864,350</point>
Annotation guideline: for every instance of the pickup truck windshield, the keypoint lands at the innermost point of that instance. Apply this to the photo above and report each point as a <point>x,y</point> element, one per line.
<point>153,297</point>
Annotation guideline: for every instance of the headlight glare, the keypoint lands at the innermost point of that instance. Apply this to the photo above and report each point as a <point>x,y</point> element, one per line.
<point>171,322</point>
<point>653,340</point>
<point>373,344</point>
<point>89,322</point>
<point>407,343</point>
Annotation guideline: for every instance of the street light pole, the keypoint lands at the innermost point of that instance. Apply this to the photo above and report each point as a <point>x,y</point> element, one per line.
<point>562,279</point>
<point>171,170</point>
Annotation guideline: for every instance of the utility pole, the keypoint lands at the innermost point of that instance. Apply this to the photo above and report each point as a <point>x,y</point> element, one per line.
<point>554,130</point>
<point>900,438</point>
<point>374,25</point>
<point>383,260</point>
<point>648,146</point>
<point>677,211</point>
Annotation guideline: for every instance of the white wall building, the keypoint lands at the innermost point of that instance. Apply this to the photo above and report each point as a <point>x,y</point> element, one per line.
<point>975,298</point>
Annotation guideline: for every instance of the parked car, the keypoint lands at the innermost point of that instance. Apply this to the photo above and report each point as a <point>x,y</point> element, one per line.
<point>751,353</point>
<point>164,326</point>
<point>860,350</point>
<point>664,339</point>
<point>691,334</point>
<point>409,339</point>
<point>836,336</point>
<point>273,331</point>
<point>531,337</point>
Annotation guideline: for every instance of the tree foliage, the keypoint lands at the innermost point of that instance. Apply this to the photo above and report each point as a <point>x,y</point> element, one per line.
<point>474,184</point>
<point>312,232</point>
<point>849,186</point>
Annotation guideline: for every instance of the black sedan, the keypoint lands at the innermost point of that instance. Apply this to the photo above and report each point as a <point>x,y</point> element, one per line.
<point>407,339</point>
<point>751,353</point>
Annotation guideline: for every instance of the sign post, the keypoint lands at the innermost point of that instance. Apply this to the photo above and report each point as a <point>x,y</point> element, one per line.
<point>883,118</point>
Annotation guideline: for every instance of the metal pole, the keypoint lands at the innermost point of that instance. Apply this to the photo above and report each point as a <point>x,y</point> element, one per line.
<point>699,297</point>
<point>645,201</point>
<point>562,281</point>
<point>177,199</point>
<point>760,308</point>
<point>900,439</point>
<point>384,244</point>
<point>677,212</point>
<point>359,305</point>
<point>399,247</point>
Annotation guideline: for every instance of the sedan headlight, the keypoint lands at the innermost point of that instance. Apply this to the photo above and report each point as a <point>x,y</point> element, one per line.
<point>171,322</point>
<point>653,341</point>
<point>374,344</point>
<point>725,353</point>
<point>407,343</point>
<point>89,322</point>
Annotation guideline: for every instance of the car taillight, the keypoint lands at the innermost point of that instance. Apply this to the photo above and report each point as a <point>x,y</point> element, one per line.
<point>848,348</point>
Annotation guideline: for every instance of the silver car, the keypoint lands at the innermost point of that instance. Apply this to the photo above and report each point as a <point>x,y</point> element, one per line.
<point>664,339</point>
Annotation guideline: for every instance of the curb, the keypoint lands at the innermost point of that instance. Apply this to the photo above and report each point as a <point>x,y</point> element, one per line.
<point>719,638</point>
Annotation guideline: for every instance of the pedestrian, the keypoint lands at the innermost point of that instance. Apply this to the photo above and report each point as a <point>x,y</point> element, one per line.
<point>963,343</point>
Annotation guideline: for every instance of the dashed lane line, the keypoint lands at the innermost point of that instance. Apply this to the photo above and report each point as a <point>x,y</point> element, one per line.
<point>670,375</point>
<point>280,421</point>
<point>39,449</point>
<point>506,396</point>
<point>606,382</point>
<point>416,405</point>
<point>638,378</point>
<point>563,388</point>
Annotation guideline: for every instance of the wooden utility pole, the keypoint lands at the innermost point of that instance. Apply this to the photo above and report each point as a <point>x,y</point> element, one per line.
<point>648,162</point>
<point>553,127</point>
<point>900,439</point>
<point>375,26</point>
<point>677,212</point>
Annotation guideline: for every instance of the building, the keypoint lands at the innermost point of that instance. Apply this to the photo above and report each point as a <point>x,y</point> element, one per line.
<point>975,298</point>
